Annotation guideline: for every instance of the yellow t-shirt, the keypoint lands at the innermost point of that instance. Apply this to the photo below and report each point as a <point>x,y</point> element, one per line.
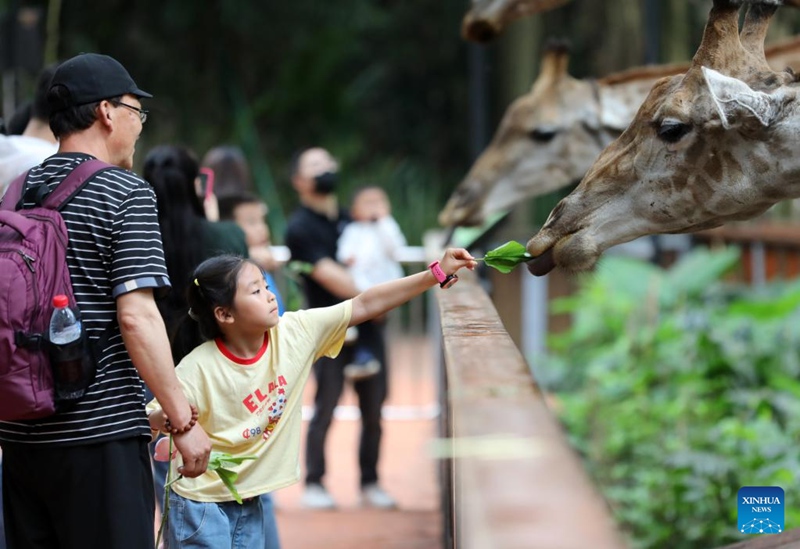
<point>253,407</point>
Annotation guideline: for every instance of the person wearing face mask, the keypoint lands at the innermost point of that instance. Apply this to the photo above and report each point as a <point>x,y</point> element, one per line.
<point>312,233</point>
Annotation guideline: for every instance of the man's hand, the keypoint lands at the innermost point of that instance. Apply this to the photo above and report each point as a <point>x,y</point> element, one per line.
<point>195,447</point>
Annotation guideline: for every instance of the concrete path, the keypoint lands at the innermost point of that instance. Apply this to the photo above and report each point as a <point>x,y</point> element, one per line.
<point>407,471</point>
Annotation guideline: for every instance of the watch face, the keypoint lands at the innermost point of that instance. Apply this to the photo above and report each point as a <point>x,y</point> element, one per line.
<point>449,281</point>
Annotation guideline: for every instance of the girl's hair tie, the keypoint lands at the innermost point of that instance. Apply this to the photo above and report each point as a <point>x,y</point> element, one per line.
<point>196,283</point>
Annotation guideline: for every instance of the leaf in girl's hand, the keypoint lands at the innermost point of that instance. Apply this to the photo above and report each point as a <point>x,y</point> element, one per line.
<point>504,258</point>
<point>228,478</point>
<point>221,459</point>
<point>219,462</point>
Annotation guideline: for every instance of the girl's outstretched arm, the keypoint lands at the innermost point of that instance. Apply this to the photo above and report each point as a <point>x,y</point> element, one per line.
<point>385,297</point>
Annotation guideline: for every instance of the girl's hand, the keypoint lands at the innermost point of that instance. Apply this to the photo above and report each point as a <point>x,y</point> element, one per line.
<point>456,258</point>
<point>157,420</point>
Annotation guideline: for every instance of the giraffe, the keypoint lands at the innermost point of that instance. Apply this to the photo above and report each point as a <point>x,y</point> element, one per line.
<point>715,144</point>
<point>549,137</point>
<point>487,18</point>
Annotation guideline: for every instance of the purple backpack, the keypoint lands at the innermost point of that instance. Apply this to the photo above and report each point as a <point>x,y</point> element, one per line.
<point>33,269</point>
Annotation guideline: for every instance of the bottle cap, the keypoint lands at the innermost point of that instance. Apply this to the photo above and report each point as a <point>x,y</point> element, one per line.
<point>60,301</point>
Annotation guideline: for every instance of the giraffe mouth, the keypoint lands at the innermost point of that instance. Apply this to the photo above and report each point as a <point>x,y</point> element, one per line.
<point>576,251</point>
<point>540,266</point>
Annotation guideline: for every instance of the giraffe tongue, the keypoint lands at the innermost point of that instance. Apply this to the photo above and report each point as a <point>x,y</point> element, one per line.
<point>542,264</point>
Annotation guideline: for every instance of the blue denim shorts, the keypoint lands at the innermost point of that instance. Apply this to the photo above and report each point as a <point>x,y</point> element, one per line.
<point>200,525</point>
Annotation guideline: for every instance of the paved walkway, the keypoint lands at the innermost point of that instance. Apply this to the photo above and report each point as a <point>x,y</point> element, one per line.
<point>407,471</point>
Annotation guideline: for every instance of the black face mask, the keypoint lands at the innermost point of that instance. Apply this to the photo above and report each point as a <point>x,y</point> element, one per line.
<point>326,182</point>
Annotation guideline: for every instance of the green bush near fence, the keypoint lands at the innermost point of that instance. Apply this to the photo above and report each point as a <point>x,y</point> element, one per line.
<point>677,389</point>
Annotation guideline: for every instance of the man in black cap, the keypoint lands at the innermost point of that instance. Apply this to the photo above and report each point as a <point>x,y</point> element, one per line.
<point>82,477</point>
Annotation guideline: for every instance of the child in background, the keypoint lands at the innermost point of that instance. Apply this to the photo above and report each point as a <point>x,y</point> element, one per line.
<point>246,383</point>
<point>368,246</point>
<point>250,212</point>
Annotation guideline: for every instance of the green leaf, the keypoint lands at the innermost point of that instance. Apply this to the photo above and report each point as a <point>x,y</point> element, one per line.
<point>219,462</point>
<point>300,267</point>
<point>506,257</point>
<point>228,478</point>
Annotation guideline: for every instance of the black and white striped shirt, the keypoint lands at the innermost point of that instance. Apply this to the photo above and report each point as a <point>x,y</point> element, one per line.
<point>114,248</point>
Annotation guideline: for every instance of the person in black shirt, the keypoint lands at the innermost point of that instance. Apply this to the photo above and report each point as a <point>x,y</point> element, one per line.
<point>312,232</point>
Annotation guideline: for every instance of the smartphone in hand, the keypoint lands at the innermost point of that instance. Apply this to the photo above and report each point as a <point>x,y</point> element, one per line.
<point>206,177</point>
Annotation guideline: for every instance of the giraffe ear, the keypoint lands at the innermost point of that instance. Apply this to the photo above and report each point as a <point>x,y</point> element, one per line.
<point>736,102</point>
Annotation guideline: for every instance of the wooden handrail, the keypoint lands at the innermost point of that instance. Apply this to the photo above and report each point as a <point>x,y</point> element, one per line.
<point>514,482</point>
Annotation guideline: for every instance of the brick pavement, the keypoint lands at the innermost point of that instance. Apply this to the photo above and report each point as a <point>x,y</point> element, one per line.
<point>407,471</point>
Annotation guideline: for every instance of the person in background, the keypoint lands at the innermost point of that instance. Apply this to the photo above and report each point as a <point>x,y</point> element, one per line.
<point>249,212</point>
<point>369,246</point>
<point>312,233</point>
<point>21,152</point>
<point>234,187</point>
<point>172,170</point>
<point>82,477</point>
<point>19,118</point>
<point>232,173</point>
<point>247,381</point>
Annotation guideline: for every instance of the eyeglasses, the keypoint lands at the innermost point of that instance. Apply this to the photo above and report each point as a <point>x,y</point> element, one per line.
<point>142,113</point>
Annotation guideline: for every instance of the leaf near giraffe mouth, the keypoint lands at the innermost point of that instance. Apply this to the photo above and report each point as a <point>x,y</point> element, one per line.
<point>504,258</point>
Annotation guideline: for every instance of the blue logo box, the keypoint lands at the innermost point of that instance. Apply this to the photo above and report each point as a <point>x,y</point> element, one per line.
<point>761,510</point>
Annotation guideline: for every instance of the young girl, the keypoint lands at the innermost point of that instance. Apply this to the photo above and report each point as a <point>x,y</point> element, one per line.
<point>245,384</point>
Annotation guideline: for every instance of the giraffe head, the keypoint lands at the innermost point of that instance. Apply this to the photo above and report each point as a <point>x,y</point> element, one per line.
<point>487,18</point>
<point>549,137</point>
<point>707,147</point>
<point>539,139</point>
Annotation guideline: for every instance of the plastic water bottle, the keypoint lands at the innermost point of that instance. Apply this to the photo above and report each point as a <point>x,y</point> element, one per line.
<point>67,354</point>
<point>64,325</point>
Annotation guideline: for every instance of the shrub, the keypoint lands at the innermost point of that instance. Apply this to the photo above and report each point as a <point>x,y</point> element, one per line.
<point>677,389</point>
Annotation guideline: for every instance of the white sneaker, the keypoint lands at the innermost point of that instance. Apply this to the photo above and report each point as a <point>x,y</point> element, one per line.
<point>356,372</point>
<point>373,495</point>
<point>315,496</point>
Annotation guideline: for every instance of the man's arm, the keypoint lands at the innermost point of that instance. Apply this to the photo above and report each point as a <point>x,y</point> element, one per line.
<point>145,338</point>
<point>335,278</point>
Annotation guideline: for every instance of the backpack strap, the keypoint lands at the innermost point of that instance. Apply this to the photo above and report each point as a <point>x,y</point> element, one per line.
<point>64,191</point>
<point>73,183</point>
<point>13,193</point>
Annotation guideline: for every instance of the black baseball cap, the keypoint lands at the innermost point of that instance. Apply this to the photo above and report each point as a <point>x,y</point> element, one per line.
<point>91,77</point>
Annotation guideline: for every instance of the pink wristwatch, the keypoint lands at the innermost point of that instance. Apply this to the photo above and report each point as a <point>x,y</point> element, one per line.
<point>445,280</point>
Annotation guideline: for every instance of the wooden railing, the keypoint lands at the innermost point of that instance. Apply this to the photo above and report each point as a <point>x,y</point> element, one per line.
<point>510,479</point>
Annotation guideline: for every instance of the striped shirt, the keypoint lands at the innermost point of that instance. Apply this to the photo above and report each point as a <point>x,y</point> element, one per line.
<point>114,248</point>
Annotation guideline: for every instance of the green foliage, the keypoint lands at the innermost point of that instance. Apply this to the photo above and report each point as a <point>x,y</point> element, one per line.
<point>381,84</point>
<point>678,389</point>
<point>220,462</point>
<point>504,258</point>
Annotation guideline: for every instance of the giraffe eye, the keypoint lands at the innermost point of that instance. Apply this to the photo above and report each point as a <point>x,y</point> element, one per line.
<point>672,131</point>
<point>542,135</point>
